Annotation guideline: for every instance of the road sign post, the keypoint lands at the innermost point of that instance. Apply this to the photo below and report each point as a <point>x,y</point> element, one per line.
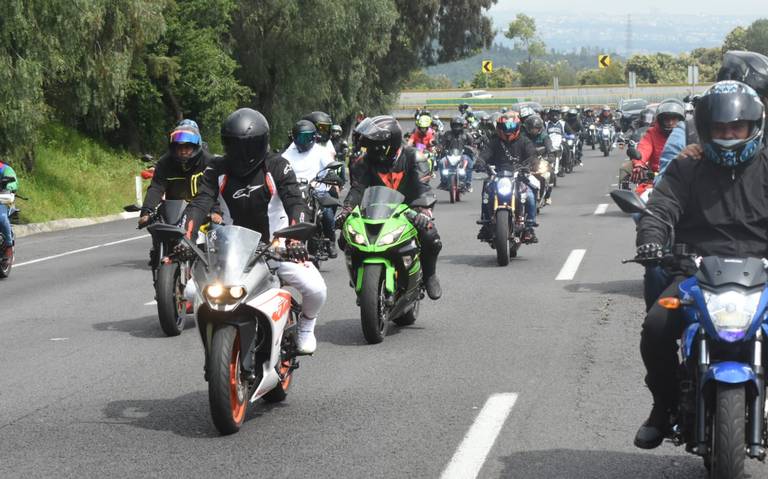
<point>693,76</point>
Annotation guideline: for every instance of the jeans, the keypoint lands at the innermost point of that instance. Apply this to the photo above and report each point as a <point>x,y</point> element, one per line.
<point>470,165</point>
<point>5,226</point>
<point>328,216</point>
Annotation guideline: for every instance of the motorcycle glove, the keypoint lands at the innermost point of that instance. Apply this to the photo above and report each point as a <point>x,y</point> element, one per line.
<point>183,251</point>
<point>639,172</point>
<point>296,251</point>
<point>649,251</point>
<point>342,216</point>
<point>421,221</point>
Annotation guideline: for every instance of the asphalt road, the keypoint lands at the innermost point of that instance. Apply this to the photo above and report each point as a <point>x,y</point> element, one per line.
<point>90,387</point>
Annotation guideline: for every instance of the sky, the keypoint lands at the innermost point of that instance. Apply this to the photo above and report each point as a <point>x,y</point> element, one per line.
<point>739,7</point>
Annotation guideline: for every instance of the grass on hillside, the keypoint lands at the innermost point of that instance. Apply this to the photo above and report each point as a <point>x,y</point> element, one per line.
<point>76,177</point>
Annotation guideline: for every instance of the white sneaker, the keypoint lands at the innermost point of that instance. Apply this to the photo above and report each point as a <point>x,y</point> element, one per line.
<point>306,342</point>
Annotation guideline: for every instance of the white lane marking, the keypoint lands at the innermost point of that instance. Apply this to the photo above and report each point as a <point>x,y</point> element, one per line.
<point>81,250</point>
<point>601,209</point>
<point>151,303</point>
<point>571,265</point>
<point>470,456</point>
<point>58,339</point>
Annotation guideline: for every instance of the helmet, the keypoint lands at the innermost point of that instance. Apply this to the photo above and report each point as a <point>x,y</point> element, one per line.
<point>534,124</point>
<point>689,108</point>
<point>382,138</point>
<point>336,131</point>
<point>726,102</point>
<point>186,135</point>
<point>322,122</point>
<point>457,124</point>
<point>572,113</point>
<point>525,112</point>
<point>508,126</point>
<point>304,135</point>
<point>671,107</point>
<point>188,122</point>
<point>646,117</point>
<point>504,109</point>
<point>554,114</point>
<point>564,110</point>
<point>747,67</point>
<point>435,119</point>
<point>463,107</point>
<point>589,111</point>
<point>423,123</point>
<point>245,137</point>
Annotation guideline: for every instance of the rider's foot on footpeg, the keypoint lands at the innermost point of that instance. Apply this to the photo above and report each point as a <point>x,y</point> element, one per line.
<point>434,291</point>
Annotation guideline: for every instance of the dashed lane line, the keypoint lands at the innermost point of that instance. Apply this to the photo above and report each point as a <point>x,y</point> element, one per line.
<point>473,450</point>
<point>81,250</point>
<point>601,209</point>
<point>571,265</point>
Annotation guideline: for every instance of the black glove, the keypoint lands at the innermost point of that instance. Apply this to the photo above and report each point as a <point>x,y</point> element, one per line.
<point>296,251</point>
<point>421,221</point>
<point>342,216</point>
<point>649,251</point>
<point>183,252</point>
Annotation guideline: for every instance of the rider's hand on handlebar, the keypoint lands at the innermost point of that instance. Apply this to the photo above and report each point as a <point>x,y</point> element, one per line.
<point>143,221</point>
<point>649,251</point>
<point>342,216</point>
<point>421,219</point>
<point>216,218</point>
<point>183,251</point>
<point>638,172</point>
<point>296,251</point>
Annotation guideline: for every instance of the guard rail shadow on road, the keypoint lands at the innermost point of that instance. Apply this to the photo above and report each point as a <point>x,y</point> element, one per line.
<point>187,415</point>
<point>146,327</point>
<point>569,464</point>
<point>628,287</point>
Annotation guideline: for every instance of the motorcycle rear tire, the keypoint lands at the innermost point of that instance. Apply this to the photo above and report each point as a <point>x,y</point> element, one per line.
<point>408,318</point>
<point>5,263</point>
<point>371,298</point>
<point>728,431</point>
<point>502,237</point>
<point>227,395</point>
<point>169,309</point>
<point>454,189</point>
<point>593,146</point>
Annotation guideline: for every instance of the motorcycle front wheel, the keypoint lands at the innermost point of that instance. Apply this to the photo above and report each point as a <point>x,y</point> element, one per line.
<point>454,189</point>
<point>728,443</point>
<point>502,237</point>
<point>227,393</point>
<point>373,315</point>
<point>171,306</point>
<point>6,263</point>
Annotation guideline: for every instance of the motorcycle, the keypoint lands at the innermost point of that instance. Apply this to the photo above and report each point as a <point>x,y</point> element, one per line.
<point>569,153</point>
<point>8,198</point>
<point>592,135</point>
<point>507,191</point>
<point>247,321</point>
<point>383,260</point>
<point>606,139</point>
<point>546,177</point>
<point>453,171</point>
<point>169,274</point>
<point>721,408</point>
<point>319,246</point>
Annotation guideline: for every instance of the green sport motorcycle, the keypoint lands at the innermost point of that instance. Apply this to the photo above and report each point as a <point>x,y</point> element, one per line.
<point>383,260</point>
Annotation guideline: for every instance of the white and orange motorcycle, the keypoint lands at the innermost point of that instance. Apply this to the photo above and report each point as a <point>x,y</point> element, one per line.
<point>247,321</point>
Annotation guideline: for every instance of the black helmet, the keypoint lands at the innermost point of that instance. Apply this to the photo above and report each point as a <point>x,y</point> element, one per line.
<point>245,137</point>
<point>336,131</point>
<point>322,122</point>
<point>304,135</point>
<point>554,114</point>
<point>646,117</point>
<point>186,133</point>
<point>747,67</point>
<point>504,109</point>
<point>463,107</point>
<point>382,138</point>
<point>669,107</point>
<point>457,124</point>
<point>726,102</point>
<point>525,112</point>
<point>534,124</point>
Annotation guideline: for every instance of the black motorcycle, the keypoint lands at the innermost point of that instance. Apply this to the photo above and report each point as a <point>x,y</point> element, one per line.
<point>319,246</point>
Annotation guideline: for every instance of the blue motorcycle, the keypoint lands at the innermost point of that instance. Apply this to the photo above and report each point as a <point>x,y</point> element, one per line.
<point>721,407</point>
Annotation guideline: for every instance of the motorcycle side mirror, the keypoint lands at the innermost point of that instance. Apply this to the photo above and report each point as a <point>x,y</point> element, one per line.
<point>424,202</point>
<point>334,165</point>
<point>299,231</point>
<point>147,158</point>
<point>332,179</point>
<point>629,202</point>
<point>131,208</point>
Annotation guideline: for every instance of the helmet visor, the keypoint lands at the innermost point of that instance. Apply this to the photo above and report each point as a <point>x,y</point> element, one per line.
<point>304,138</point>
<point>508,126</point>
<point>184,136</point>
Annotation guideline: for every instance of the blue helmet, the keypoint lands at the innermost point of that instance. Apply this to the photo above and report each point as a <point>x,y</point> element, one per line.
<point>726,102</point>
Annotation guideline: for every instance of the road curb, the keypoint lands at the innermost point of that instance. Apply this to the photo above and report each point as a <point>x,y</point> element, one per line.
<point>67,223</point>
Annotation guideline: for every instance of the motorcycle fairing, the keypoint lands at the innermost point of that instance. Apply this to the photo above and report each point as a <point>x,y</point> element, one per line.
<point>274,304</point>
<point>730,372</point>
<point>390,273</point>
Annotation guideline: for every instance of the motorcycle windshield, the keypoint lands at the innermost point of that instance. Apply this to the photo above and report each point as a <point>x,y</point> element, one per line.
<point>230,249</point>
<point>379,202</point>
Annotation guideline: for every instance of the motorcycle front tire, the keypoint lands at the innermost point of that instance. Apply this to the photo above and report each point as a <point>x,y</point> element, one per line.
<point>227,394</point>
<point>170,311</point>
<point>6,264</point>
<point>372,295</point>
<point>728,430</point>
<point>502,237</point>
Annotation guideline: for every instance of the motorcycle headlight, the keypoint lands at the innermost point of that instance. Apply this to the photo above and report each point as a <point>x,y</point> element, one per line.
<point>504,186</point>
<point>214,291</point>
<point>217,294</point>
<point>731,312</point>
<point>543,168</point>
<point>461,171</point>
<point>392,236</point>
<point>446,171</point>
<point>354,235</point>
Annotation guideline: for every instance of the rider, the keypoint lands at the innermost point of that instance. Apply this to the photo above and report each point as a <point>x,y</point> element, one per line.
<point>341,147</point>
<point>646,156</point>
<point>423,134</point>
<point>509,149</point>
<point>459,139</point>
<point>715,210</point>
<point>262,194</point>
<point>323,124</point>
<point>387,163</point>
<point>533,126</point>
<point>308,158</point>
<point>572,120</point>
<point>5,223</point>
<point>178,172</point>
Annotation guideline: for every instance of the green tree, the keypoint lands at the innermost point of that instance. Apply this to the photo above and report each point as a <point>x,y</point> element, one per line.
<point>612,75</point>
<point>421,80</point>
<point>735,40</point>
<point>756,36</point>
<point>500,78</point>
<point>658,68</point>
<point>535,73</point>
<point>523,31</point>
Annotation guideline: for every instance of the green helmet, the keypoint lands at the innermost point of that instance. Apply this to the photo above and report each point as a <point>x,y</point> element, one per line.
<point>424,121</point>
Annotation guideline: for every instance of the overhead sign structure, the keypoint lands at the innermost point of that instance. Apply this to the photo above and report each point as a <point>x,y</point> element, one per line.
<point>603,61</point>
<point>487,66</point>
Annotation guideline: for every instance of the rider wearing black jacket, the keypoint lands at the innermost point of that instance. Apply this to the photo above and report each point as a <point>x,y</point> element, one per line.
<point>388,163</point>
<point>718,208</point>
